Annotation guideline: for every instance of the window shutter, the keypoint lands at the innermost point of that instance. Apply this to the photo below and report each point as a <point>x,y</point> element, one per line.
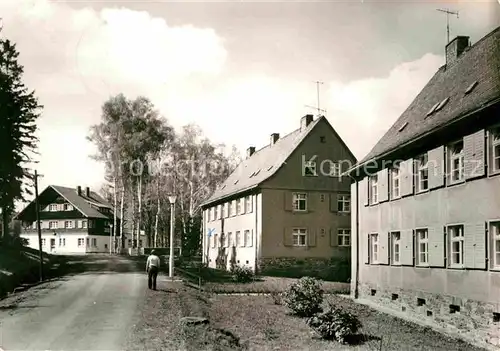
<point>474,155</point>
<point>287,236</point>
<point>436,167</point>
<point>311,237</point>
<point>406,170</point>
<point>383,248</point>
<point>475,245</point>
<point>389,247</point>
<point>333,203</point>
<point>383,180</point>
<point>288,198</point>
<point>447,172</point>
<point>214,243</point>
<point>367,249</point>
<point>250,244</point>
<point>436,247</point>
<point>406,249</point>
<point>334,242</point>
<point>489,152</point>
<point>311,201</point>
<point>363,191</point>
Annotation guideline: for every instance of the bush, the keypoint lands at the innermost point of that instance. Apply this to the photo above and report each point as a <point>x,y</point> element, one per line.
<point>335,324</point>
<point>304,297</point>
<point>241,274</point>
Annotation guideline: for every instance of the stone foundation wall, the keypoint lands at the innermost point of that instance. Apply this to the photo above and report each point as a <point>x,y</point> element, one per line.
<point>332,269</point>
<point>476,321</point>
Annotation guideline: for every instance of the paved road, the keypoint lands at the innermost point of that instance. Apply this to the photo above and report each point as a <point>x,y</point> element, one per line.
<point>94,310</point>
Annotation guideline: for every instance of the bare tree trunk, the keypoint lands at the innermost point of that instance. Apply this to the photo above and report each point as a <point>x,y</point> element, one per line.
<point>158,208</point>
<point>132,193</point>
<point>122,209</point>
<point>115,205</point>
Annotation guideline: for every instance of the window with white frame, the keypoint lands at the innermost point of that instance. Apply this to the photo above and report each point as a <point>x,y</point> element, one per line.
<point>53,207</point>
<point>456,155</point>
<point>422,169</point>
<point>299,236</point>
<point>94,242</point>
<point>88,242</point>
<point>229,239</point>
<point>495,149</point>
<point>62,242</point>
<point>344,203</point>
<point>395,176</point>
<point>334,169</point>
<point>81,242</point>
<point>238,206</point>
<point>68,224</point>
<point>495,236</point>
<point>229,208</point>
<point>422,247</point>
<point>237,238</point>
<point>344,237</point>
<point>373,189</point>
<point>310,168</point>
<point>44,241</point>
<point>68,207</point>
<point>248,204</point>
<point>247,238</point>
<point>456,239</point>
<point>396,248</point>
<point>299,201</point>
<point>84,224</point>
<point>53,224</point>
<point>374,248</point>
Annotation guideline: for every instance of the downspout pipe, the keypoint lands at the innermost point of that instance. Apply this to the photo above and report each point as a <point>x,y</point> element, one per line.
<point>256,229</point>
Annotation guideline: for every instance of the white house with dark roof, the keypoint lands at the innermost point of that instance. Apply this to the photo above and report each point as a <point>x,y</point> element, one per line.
<point>426,213</point>
<point>72,220</point>
<point>285,205</point>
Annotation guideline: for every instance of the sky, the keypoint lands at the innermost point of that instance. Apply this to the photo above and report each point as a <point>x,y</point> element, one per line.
<point>241,70</point>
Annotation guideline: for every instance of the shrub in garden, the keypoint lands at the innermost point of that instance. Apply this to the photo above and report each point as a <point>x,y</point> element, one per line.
<point>304,297</point>
<point>335,324</point>
<point>241,274</point>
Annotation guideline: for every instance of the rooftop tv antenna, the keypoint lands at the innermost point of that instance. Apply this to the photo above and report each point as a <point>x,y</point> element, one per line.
<point>317,108</point>
<point>448,13</point>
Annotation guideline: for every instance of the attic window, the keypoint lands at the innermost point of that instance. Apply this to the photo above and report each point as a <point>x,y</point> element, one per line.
<point>236,182</point>
<point>223,187</point>
<point>441,104</point>
<point>257,172</point>
<point>251,175</point>
<point>270,167</point>
<point>470,88</point>
<point>403,126</point>
<point>432,109</point>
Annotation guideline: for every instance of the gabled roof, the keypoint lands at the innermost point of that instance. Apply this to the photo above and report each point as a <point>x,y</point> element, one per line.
<point>263,164</point>
<point>472,82</point>
<point>80,202</point>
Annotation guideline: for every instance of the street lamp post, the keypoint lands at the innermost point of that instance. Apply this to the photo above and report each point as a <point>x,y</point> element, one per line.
<point>171,199</point>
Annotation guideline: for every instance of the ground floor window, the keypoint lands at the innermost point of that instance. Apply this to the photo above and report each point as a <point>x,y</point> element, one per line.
<point>396,248</point>
<point>344,237</point>
<point>456,239</point>
<point>422,247</point>
<point>299,237</point>
<point>495,235</point>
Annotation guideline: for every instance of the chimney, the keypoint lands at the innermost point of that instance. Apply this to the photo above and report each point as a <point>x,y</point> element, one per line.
<point>87,192</point>
<point>455,48</point>
<point>305,121</point>
<point>274,138</point>
<point>79,190</point>
<point>250,151</point>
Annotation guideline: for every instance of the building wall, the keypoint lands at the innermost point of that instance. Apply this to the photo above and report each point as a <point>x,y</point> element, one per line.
<point>243,254</point>
<point>70,243</point>
<point>322,219</point>
<point>434,293</point>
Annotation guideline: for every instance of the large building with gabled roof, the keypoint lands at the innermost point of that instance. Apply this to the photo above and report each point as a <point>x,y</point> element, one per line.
<point>284,205</point>
<point>426,213</point>
<point>72,220</point>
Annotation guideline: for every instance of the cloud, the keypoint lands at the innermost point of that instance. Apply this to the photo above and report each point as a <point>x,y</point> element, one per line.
<point>76,58</point>
<point>363,110</point>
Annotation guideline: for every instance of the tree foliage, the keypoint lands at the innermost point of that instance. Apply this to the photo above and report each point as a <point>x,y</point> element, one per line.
<point>19,110</point>
<point>133,137</point>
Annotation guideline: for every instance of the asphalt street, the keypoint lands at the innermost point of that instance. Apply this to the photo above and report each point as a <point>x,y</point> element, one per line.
<point>92,310</point>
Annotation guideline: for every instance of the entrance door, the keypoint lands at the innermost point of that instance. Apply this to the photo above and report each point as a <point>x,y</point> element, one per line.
<point>52,244</point>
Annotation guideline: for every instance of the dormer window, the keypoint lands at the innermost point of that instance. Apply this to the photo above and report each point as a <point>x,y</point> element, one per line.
<point>456,157</point>
<point>441,104</point>
<point>470,88</point>
<point>53,208</point>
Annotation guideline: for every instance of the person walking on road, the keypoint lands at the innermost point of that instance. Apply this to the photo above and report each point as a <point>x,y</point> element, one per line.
<point>152,267</point>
